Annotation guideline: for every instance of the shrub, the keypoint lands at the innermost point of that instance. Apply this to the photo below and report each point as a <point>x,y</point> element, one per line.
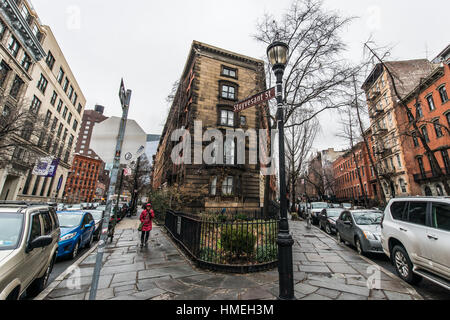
<point>221,218</point>
<point>241,217</point>
<point>267,253</point>
<point>237,240</point>
<point>208,254</point>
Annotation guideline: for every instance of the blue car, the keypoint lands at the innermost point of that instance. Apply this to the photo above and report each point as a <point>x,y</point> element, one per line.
<point>77,232</point>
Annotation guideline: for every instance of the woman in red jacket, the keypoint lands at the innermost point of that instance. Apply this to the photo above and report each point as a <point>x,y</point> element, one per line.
<point>146,218</point>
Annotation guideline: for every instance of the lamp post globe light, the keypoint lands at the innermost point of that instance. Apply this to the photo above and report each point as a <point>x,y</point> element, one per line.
<point>278,53</point>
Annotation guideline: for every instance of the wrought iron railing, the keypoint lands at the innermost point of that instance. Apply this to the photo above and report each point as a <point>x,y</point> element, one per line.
<point>237,245</point>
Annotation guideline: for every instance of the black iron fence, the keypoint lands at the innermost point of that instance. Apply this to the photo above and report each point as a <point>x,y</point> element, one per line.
<point>226,245</point>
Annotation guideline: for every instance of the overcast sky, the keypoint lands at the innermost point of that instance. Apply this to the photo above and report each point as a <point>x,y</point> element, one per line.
<point>147,42</point>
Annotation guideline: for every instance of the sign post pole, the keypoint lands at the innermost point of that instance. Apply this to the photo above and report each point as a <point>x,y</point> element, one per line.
<point>125,101</point>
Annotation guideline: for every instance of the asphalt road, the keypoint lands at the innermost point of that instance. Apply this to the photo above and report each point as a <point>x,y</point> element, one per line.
<point>427,289</point>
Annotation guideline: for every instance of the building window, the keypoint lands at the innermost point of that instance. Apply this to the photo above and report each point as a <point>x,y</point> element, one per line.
<point>228,92</point>
<point>75,125</point>
<point>399,161</point>
<point>2,29</point>
<point>60,104</point>
<point>425,134</point>
<point>54,97</point>
<point>47,118</point>
<point>438,129</point>
<point>227,118</point>
<point>4,70</point>
<point>54,124</point>
<point>13,46</point>
<point>228,72</point>
<point>60,130</point>
<point>402,185</point>
<point>419,112</point>
<point>243,121</point>
<point>60,76</point>
<point>439,190</point>
<point>50,60</point>
<point>66,85</point>
<point>16,86</point>
<point>42,84</point>
<point>446,160</point>
<point>410,116</point>
<point>64,115</point>
<point>421,167</point>
<point>228,151</point>
<point>213,190</point>
<point>70,93</point>
<point>26,62</point>
<point>448,118</point>
<point>75,98</point>
<point>443,94</point>
<point>227,186</point>
<point>415,140</point>
<point>79,108</point>
<point>431,103</point>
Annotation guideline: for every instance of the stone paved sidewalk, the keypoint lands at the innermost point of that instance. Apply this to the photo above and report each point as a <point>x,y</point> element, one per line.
<point>323,270</point>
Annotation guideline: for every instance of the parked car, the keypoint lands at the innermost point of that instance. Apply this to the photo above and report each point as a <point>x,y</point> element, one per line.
<point>60,207</point>
<point>327,219</point>
<point>74,207</point>
<point>98,216</point>
<point>361,228</point>
<point>29,235</point>
<point>416,236</point>
<point>316,209</point>
<point>347,206</point>
<point>77,232</point>
<point>335,205</point>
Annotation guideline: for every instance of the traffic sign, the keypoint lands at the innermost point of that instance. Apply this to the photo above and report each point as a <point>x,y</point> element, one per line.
<point>104,139</point>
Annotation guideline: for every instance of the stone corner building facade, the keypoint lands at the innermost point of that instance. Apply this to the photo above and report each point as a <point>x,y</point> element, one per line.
<point>213,80</point>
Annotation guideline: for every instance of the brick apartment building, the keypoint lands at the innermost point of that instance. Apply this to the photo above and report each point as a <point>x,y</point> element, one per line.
<point>430,106</point>
<point>87,179</point>
<point>353,173</point>
<point>212,82</point>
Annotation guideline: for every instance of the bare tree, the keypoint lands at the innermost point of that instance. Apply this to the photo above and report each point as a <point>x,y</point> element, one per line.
<point>316,74</point>
<point>299,141</point>
<point>22,131</point>
<point>413,118</point>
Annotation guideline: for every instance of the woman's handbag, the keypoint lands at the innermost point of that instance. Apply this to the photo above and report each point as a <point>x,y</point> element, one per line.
<point>141,226</point>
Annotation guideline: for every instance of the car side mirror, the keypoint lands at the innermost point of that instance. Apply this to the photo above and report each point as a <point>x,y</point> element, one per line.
<point>40,242</point>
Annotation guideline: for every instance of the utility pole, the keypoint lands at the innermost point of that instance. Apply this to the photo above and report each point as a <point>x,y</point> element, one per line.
<point>125,98</point>
<point>135,187</point>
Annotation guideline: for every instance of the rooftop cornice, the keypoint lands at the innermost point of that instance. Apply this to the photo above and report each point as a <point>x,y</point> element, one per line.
<point>12,13</point>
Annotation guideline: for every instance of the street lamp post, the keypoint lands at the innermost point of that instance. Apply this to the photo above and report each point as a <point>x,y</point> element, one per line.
<point>278,53</point>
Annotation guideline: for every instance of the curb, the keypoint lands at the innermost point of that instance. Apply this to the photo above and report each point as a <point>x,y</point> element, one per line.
<point>413,292</point>
<point>63,275</point>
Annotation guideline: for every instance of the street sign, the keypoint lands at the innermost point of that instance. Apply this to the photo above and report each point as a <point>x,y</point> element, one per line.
<point>255,100</point>
<point>122,93</point>
<point>104,135</point>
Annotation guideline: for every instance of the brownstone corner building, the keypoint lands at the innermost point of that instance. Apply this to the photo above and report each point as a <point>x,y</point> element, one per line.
<point>213,81</point>
<point>87,166</point>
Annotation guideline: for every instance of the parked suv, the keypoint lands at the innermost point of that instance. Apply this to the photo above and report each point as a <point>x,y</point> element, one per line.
<point>29,235</point>
<point>416,236</point>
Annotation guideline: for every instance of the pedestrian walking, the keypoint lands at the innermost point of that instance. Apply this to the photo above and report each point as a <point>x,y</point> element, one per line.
<point>146,224</point>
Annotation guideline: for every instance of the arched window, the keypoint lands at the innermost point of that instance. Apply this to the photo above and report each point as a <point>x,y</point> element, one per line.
<point>428,192</point>
<point>439,190</point>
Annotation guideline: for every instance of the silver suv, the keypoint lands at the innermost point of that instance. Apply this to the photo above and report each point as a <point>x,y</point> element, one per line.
<point>29,235</point>
<point>415,234</point>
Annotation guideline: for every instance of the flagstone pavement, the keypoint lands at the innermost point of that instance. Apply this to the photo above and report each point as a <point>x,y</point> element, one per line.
<point>323,270</point>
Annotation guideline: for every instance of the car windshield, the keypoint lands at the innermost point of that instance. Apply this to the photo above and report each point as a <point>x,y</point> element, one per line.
<point>67,220</point>
<point>96,214</point>
<point>367,217</point>
<point>331,213</point>
<point>10,230</point>
<point>319,205</point>
<point>347,205</point>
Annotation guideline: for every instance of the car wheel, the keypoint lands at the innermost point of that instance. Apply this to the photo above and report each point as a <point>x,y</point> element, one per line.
<point>338,236</point>
<point>328,229</point>
<point>403,266</point>
<point>359,247</point>
<point>75,250</point>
